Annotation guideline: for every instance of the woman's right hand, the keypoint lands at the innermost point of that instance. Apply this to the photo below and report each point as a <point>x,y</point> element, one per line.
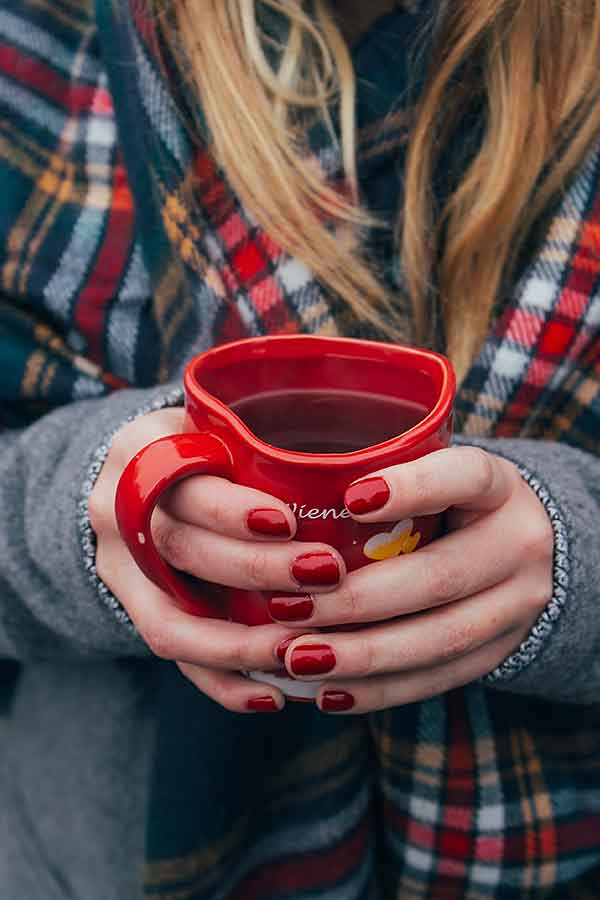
<point>209,528</point>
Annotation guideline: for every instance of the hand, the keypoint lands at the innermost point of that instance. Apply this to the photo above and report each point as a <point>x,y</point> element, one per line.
<point>203,527</point>
<point>449,613</point>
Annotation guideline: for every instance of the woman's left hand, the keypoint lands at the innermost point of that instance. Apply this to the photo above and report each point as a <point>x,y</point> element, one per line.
<point>445,615</point>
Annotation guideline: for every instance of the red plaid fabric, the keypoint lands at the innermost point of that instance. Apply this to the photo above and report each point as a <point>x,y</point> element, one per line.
<point>538,374</point>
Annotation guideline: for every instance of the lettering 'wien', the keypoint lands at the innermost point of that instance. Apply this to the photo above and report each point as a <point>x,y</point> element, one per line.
<point>315,513</point>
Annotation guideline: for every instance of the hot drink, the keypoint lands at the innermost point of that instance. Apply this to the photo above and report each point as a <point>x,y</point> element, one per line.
<point>327,421</point>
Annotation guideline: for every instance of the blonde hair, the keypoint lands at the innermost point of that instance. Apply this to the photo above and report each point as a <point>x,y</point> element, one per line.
<point>532,65</point>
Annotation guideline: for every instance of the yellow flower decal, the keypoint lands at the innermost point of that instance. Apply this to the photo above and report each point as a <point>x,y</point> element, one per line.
<point>392,543</point>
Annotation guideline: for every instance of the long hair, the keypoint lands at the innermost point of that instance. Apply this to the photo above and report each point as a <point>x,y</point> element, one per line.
<point>530,67</point>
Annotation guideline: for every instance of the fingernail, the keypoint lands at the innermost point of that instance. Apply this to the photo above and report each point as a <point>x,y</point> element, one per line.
<point>291,609</point>
<point>262,704</point>
<point>319,568</point>
<point>367,496</point>
<point>336,701</point>
<point>312,659</point>
<point>281,648</point>
<point>268,522</point>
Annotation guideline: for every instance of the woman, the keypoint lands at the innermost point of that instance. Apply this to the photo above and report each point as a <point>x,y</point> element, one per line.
<point>181,175</point>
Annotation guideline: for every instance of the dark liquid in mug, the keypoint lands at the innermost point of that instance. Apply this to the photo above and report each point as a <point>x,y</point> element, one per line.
<point>327,421</point>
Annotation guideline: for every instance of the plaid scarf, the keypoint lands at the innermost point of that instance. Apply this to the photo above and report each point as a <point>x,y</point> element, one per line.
<point>109,278</point>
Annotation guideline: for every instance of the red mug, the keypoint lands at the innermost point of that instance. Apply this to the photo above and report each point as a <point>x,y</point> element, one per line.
<point>307,393</point>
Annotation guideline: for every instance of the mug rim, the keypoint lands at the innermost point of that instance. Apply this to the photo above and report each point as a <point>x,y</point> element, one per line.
<point>434,363</point>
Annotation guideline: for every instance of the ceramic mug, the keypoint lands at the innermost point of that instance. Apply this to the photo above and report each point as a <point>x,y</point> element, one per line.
<point>276,384</point>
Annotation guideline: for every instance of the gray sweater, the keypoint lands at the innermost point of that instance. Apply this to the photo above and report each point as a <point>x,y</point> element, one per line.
<point>76,737</point>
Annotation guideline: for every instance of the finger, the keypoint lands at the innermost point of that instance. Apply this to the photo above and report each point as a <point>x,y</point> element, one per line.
<point>428,640</point>
<point>142,431</point>
<point>234,692</point>
<point>175,635</point>
<point>220,506</point>
<point>437,574</point>
<point>466,477</point>
<point>125,444</point>
<point>386,691</point>
<point>283,566</point>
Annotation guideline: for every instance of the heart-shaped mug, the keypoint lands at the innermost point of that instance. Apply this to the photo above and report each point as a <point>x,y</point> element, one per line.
<point>373,384</point>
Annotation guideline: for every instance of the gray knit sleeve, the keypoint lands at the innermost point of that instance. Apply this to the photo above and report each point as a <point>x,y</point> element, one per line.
<point>560,658</point>
<point>52,605</point>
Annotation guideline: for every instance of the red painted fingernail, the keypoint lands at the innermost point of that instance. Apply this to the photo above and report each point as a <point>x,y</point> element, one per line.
<point>319,568</point>
<point>367,495</point>
<point>312,659</point>
<point>336,701</point>
<point>281,648</point>
<point>270,522</point>
<point>291,609</point>
<point>262,704</point>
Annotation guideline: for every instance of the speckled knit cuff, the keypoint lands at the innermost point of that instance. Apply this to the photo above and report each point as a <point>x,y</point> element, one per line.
<point>88,537</point>
<point>540,632</point>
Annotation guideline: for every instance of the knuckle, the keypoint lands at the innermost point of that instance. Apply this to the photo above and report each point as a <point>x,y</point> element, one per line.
<point>173,544</point>
<point>380,697</point>
<point>190,494</point>
<point>236,653</point>
<point>445,583</point>
<point>480,469</point>
<point>458,640</point>
<point>364,660</point>
<point>218,514</point>
<point>351,603</point>
<point>159,640</point>
<point>538,539</point>
<point>123,442</point>
<point>539,591</point>
<point>254,568</point>
<point>99,509</point>
<point>425,483</point>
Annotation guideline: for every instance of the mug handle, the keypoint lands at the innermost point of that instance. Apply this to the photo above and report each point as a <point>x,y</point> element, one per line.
<point>153,470</point>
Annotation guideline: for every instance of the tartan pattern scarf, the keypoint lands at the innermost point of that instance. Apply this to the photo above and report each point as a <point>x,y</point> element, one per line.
<point>108,278</point>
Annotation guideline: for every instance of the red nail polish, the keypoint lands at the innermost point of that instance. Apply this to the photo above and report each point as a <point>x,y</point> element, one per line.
<point>291,609</point>
<point>319,568</point>
<point>269,522</point>
<point>262,704</point>
<point>312,659</point>
<point>336,701</point>
<point>281,648</point>
<point>367,496</point>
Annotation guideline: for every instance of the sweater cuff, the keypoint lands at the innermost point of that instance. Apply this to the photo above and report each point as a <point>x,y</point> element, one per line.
<point>542,629</point>
<point>547,621</point>
<point>173,397</point>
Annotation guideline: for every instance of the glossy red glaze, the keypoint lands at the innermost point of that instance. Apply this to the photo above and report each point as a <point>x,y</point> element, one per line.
<point>217,442</point>
<point>316,569</point>
<point>262,704</point>
<point>367,496</point>
<point>291,609</point>
<point>312,659</point>
<point>268,522</point>
<point>336,701</point>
